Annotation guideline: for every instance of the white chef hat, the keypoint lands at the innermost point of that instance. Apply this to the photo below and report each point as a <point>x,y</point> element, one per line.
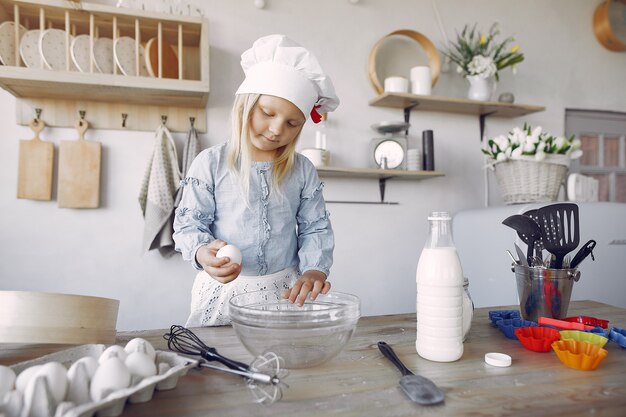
<point>278,66</point>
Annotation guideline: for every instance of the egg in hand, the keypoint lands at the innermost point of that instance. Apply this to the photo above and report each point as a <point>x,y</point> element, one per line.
<point>230,251</point>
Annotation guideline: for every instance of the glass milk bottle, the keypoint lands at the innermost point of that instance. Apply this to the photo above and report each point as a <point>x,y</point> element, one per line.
<point>439,280</point>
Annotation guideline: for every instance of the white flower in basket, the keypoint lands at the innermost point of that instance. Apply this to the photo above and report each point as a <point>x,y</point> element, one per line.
<point>530,164</point>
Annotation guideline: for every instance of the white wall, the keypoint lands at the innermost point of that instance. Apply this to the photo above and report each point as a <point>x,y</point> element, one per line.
<point>98,252</point>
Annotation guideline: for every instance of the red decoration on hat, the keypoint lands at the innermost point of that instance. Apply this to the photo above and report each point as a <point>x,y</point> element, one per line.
<point>315,116</point>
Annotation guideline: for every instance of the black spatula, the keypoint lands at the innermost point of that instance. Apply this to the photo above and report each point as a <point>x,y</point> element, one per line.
<point>560,228</point>
<point>527,229</point>
<point>419,389</point>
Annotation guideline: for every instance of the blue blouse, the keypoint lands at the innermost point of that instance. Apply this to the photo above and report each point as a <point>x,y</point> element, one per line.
<point>276,231</point>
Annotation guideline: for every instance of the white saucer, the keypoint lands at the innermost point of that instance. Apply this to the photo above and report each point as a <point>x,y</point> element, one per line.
<point>103,55</point>
<point>52,49</point>
<point>29,49</point>
<point>7,42</point>
<point>125,56</point>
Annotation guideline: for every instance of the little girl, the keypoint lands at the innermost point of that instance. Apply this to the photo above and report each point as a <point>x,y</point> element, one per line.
<point>256,193</point>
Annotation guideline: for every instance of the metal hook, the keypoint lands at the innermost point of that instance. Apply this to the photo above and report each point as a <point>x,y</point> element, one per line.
<point>192,120</point>
<point>163,119</point>
<point>82,116</point>
<point>38,114</point>
<point>124,117</point>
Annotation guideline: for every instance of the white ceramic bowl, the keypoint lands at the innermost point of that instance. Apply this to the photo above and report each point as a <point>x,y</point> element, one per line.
<point>303,336</point>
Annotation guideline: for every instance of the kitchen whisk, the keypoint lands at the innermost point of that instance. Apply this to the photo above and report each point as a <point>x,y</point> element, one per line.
<point>263,376</point>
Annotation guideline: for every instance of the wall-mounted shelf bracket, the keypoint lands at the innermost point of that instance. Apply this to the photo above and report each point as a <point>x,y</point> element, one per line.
<point>481,121</point>
<point>407,113</point>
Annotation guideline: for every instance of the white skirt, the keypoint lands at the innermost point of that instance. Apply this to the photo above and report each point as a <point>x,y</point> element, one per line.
<point>209,297</point>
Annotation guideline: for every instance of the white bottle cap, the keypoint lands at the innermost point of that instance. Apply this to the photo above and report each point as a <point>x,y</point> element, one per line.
<point>497,359</point>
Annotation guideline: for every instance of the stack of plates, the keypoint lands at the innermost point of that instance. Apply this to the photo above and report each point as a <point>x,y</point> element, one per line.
<point>413,160</point>
<point>47,50</point>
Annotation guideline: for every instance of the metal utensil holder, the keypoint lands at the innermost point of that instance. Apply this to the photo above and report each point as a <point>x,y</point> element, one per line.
<point>544,292</point>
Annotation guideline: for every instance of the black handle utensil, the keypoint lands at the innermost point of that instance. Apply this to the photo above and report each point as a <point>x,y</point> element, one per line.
<point>560,227</point>
<point>582,253</point>
<point>419,389</point>
<point>527,229</point>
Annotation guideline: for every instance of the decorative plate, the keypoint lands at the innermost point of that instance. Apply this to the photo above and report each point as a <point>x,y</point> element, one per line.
<point>124,51</point>
<point>103,55</point>
<point>52,49</point>
<point>7,42</point>
<point>29,49</point>
<point>80,52</point>
<point>169,59</point>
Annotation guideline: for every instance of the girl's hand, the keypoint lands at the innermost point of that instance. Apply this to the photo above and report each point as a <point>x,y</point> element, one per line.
<point>221,269</point>
<point>311,281</point>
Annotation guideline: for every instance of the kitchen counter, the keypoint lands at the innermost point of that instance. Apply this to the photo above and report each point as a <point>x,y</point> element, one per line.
<point>361,382</point>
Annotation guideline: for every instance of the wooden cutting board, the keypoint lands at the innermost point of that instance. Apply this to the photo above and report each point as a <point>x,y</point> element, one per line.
<point>34,179</point>
<point>169,59</point>
<point>79,171</point>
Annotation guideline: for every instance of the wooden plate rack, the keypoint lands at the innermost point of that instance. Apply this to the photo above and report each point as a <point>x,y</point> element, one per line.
<point>107,97</point>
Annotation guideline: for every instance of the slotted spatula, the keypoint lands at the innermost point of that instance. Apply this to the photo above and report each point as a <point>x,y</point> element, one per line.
<point>560,227</point>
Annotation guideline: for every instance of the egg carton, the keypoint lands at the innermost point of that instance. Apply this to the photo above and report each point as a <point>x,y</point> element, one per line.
<point>171,366</point>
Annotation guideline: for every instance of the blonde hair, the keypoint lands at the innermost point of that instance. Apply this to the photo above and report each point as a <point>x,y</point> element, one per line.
<point>240,153</point>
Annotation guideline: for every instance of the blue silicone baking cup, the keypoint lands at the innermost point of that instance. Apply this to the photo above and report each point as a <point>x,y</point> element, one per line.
<point>496,315</point>
<point>618,336</point>
<point>508,326</point>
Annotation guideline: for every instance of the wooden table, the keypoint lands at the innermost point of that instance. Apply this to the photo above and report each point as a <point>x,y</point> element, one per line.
<point>361,382</point>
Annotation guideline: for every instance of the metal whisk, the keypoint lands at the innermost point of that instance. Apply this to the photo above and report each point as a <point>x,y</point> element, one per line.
<point>263,375</point>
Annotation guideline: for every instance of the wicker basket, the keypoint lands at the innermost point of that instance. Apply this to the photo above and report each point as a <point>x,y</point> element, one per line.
<point>527,180</point>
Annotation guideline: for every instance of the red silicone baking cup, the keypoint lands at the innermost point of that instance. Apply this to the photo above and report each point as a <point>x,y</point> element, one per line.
<point>537,339</point>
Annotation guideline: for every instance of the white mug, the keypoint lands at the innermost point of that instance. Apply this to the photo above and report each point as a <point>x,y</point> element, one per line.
<point>396,85</point>
<point>421,80</point>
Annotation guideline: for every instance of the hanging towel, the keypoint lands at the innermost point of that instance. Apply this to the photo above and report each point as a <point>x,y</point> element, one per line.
<point>190,152</point>
<point>158,190</point>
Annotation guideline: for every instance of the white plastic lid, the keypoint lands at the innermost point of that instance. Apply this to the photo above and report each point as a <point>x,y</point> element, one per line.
<point>497,359</point>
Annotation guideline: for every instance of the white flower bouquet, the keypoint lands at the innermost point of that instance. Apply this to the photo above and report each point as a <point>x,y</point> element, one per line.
<point>481,55</point>
<point>527,143</point>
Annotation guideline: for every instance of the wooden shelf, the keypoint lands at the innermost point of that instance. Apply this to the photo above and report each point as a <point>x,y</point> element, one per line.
<point>115,88</point>
<point>381,174</point>
<point>337,172</point>
<point>453,105</point>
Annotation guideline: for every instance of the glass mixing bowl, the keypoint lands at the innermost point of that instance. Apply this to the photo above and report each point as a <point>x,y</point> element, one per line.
<point>303,336</point>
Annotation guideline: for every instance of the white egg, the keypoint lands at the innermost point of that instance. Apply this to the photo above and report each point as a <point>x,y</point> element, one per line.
<point>78,387</point>
<point>89,362</point>
<point>232,252</point>
<point>7,380</point>
<point>111,375</point>
<point>56,375</point>
<point>140,364</point>
<point>22,379</point>
<point>140,345</point>
<point>12,404</point>
<point>114,351</point>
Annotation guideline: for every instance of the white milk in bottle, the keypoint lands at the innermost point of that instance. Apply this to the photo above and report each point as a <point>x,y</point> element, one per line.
<point>439,280</point>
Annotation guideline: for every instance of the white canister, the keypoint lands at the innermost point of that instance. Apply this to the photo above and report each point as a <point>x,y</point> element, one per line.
<point>421,81</point>
<point>319,157</point>
<point>396,85</point>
